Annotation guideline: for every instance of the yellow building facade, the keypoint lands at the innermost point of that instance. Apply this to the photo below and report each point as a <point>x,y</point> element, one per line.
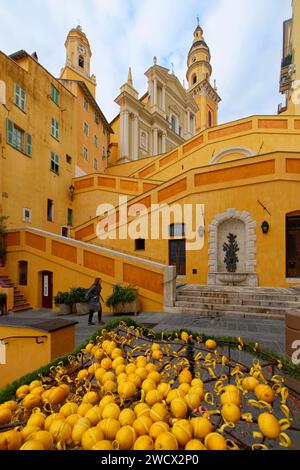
<point>240,178</point>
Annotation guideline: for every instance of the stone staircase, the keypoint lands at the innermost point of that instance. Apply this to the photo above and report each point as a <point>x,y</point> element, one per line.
<point>20,302</point>
<point>255,302</point>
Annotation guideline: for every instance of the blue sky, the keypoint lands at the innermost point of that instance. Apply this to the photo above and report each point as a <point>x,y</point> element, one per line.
<point>244,36</point>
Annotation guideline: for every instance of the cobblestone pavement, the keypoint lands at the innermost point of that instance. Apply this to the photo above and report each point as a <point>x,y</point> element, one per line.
<point>268,333</point>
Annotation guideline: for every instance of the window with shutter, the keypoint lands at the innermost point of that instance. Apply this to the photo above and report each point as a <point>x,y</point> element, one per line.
<point>28,145</point>
<point>20,97</point>
<point>10,130</point>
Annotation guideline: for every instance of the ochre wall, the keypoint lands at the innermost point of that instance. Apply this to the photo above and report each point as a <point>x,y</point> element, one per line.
<point>27,182</point>
<point>75,265</point>
<point>36,355</point>
<point>272,179</point>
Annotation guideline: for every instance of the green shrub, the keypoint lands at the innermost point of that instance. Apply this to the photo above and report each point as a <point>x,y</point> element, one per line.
<point>62,298</point>
<point>77,295</point>
<point>122,295</point>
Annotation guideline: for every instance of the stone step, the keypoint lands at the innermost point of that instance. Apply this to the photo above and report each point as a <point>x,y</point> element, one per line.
<point>239,301</point>
<point>228,314</point>
<point>231,307</point>
<point>246,296</point>
<point>21,307</point>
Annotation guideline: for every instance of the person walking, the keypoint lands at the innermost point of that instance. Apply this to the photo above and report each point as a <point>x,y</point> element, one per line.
<point>94,296</point>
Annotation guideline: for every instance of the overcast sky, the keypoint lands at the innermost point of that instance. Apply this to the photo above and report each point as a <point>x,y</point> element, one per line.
<point>244,36</point>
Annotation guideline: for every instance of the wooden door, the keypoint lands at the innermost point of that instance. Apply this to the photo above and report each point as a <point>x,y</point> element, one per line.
<point>47,289</point>
<point>293,247</point>
<point>177,256</point>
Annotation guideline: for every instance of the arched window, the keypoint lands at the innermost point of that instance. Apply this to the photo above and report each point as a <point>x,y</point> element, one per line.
<point>210,121</point>
<point>194,79</point>
<point>81,62</point>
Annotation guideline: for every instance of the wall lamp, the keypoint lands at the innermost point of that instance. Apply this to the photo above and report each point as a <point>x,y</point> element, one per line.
<point>265,226</point>
<point>72,190</point>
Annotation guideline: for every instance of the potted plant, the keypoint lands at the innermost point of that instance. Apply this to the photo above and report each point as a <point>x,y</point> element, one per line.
<point>3,298</point>
<point>62,300</point>
<point>78,298</point>
<point>2,240</point>
<point>124,299</point>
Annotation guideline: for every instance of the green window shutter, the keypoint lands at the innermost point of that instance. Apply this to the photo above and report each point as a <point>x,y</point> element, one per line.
<point>28,145</point>
<point>10,130</point>
<point>17,95</point>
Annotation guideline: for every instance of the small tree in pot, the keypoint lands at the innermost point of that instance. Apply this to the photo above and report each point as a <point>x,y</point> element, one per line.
<point>78,298</point>
<point>62,300</point>
<point>124,299</point>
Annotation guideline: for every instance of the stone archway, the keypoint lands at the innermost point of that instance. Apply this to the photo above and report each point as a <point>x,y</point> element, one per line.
<point>243,151</point>
<point>242,225</point>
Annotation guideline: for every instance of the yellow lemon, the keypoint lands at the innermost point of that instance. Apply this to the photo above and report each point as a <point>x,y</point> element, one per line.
<point>32,445</point>
<point>94,415</point>
<point>193,400</point>
<point>154,376</point>
<point>185,376</point>
<point>157,428</point>
<point>175,393</point>
<point>110,427</point>
<point>142,425</point>
<point>178,408</point>
<point>10,440</point>
<point>201,427</point>
<point>127,416</point>
<point>195,444</point>
<point>90,437</point>
<point>84,408</point>
<point>211,344</point>
<point>111,411</point>
<point>60,430</point>
<point>49,420</point>
<point>22,391</point>
<point>230,397</point>
<point>158,412</point>
<point>69,408</point>
<point>80,427</point>
<point>249,383</point>
<point>231,413</point>
<point>215,441</point>
<point>144,443</point>
<point>264,393</point>
<point>269,425</point>
<point>126,437</point>
<point>154,396</point>
<point>164,388</point>
<point>37,419</point>
<point>166,441</point>
<point>5,416</point>
<point>103,445</point>
<point>44,437</point>
<point>183,431</point>
<point>142,409</point>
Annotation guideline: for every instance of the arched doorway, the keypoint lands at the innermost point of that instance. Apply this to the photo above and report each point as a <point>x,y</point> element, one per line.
<point>46,286</point>
<point>293,245</point>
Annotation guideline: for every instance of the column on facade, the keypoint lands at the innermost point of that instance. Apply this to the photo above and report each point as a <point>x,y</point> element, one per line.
<point>135,137</point>
<point>155,142</point>
<point>155,92</point>
<point>164,142</point>
<point>124,134</point>
<point>189,122</point>
<point>151,91</point>
<point>164,98</point>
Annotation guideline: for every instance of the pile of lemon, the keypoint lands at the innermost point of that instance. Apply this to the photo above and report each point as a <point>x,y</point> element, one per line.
<point>122,394</point>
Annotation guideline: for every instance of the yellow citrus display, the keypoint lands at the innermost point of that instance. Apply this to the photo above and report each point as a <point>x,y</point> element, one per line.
<point>125,391</point>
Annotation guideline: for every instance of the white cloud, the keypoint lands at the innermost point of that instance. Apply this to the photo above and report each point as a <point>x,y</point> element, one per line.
<point>245,38</point>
